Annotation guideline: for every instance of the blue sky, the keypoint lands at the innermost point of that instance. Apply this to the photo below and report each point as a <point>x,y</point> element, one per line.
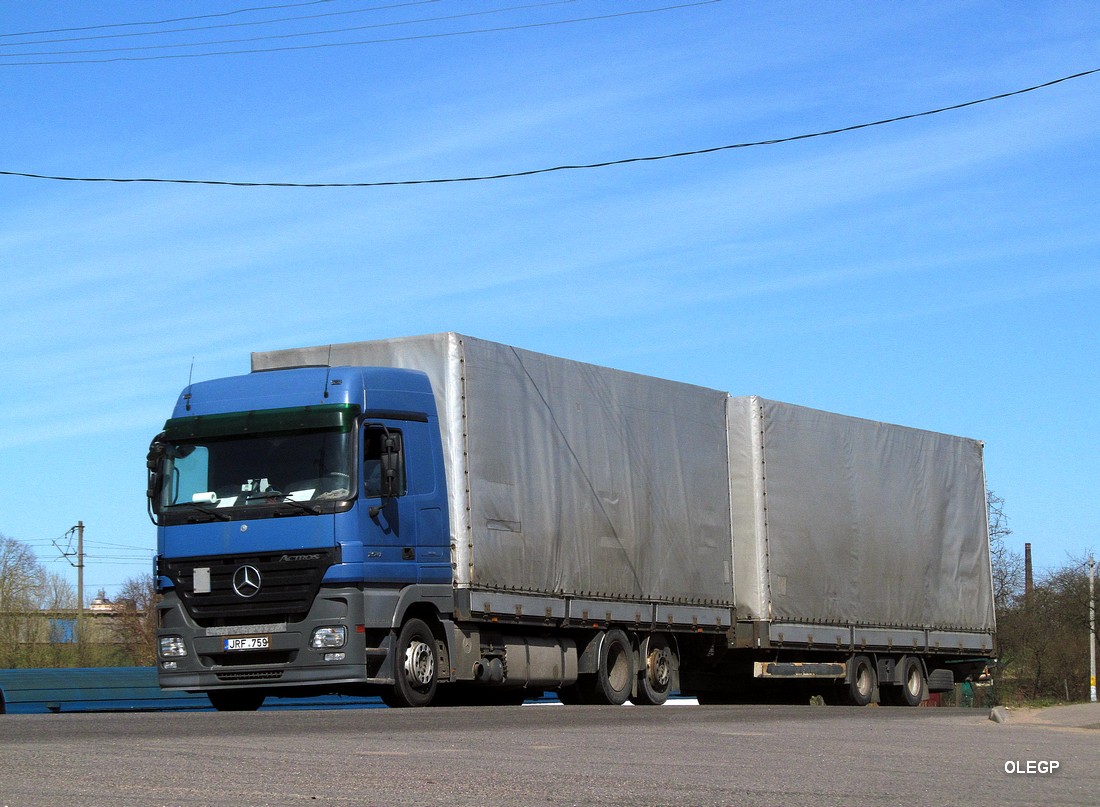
<point>940,273</point>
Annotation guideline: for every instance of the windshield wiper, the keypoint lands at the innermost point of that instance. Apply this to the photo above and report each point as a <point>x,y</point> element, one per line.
<point>284,498</point>
<point>205,508</point>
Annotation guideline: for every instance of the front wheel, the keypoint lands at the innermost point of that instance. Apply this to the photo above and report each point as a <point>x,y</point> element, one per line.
<point>415,663</point>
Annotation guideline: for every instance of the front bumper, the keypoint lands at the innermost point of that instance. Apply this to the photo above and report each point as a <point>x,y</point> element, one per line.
<point>286,661</point>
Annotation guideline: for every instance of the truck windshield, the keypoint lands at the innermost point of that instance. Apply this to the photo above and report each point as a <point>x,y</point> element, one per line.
<point>248,459</point>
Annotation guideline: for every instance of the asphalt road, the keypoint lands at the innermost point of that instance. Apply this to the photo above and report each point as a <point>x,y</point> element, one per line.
<point>552,755</point>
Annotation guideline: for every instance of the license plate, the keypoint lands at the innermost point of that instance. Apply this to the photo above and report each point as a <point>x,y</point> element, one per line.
<point>248,643</point>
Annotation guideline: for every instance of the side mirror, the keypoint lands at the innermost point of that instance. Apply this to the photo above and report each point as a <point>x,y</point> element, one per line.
<point>389,462</point>
<point>153,460</point>
<point>390,459</point>
<point>153,465</point>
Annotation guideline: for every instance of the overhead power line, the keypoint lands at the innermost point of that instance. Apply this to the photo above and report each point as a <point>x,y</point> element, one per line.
<point>572,167</point>
<point>410,38</point>
<point>166,22</point>
<point>270,37</point>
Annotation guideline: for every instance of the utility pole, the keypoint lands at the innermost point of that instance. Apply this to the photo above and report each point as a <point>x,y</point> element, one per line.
<point>67,554</point>
<point>1092,630</point>
<point>80,588</point>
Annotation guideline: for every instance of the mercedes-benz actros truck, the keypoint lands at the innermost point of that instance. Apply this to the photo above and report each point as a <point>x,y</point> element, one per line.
<point>444,519</point>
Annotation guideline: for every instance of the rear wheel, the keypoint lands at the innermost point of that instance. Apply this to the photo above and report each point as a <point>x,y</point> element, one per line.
<point>613,680</point>
<point>655,677</point>
<point>236,700</point>
<point>912,687</point>
<point>415,673</point>
<point>861,681</point>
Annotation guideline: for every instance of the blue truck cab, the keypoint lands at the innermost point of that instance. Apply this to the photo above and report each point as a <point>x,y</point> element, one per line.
<point>302,527</point>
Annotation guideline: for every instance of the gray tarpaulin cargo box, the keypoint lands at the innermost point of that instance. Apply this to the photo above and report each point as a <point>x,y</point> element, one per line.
<point>844,521</point>
<point>580,480</point>
<point>572,480</point>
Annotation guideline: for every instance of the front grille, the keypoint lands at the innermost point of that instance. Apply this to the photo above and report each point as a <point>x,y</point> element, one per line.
<point>265,675</point>
<point>288,585</point>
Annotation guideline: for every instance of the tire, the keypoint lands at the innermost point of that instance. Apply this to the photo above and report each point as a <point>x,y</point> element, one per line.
<point>913,684</point>
<point>613,680</point>
<point>236,700</point>
<point>860,688</point>
<point>656,676</point>
<point>415,666</point>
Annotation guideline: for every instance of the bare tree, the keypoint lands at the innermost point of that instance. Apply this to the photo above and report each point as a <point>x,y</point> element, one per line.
<point>135,627</point>
<point>1008,566</point>
<point>56,593</point>
<point>1043,639</point>
<point>20,575</point>
<point>21,581</point>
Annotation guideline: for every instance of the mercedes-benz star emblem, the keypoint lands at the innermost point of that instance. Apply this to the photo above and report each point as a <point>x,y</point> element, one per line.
<point>246,581</point>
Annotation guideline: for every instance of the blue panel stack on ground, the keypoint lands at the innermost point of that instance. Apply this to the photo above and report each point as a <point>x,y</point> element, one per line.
<point>123,689</point>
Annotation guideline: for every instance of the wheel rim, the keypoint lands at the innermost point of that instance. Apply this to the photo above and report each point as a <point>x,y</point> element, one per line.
<point>861,685</point>
<point>864,683</point>
<point>658,666</point>
<point>913,681</point>
<point>419,663</point>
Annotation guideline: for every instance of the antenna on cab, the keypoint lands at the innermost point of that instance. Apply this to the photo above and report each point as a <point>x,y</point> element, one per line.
<point>190,374</point>
<point>328,372</point>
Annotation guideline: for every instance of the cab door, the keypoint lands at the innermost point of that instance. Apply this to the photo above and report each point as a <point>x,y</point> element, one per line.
<point>388,514</point>
<point>405,535</point>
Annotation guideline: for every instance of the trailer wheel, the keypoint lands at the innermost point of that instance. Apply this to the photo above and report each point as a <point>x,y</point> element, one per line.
<point>861,681</point>
<point>655,677</point>
<point>613,680</point>
<point>236,700</point>
<point>912,687</point>
<point>415,666</point>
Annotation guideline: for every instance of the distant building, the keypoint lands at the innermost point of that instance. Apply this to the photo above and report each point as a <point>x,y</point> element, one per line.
<point>53,626</point>
<point>101,604</point>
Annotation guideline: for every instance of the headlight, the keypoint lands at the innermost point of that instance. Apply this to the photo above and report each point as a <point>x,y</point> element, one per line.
<point>172,646</point>
<point>328,638</point>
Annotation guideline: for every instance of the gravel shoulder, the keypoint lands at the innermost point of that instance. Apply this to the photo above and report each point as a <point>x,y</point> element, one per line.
<point>1073,715</point>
